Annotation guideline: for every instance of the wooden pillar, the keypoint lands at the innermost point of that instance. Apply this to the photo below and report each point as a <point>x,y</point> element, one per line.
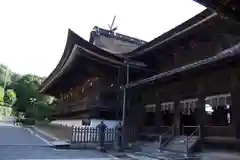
<point>139,119</point>
<point>200,110</point>
<point>201,117</point>
<point>177,117</point>
<point>158,114</point>
<point>134,116</point>
<point>235,95</point>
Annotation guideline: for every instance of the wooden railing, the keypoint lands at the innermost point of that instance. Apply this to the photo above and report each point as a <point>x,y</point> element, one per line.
<point>91,135</point>
<point>188,130</point>
<point>166,137</point>
<point>196,132</point>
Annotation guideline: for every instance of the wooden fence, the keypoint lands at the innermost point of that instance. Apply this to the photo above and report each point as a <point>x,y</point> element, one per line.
<point>91,135</point>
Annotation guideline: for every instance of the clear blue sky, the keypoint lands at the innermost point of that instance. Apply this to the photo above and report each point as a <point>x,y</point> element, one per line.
<point>33,32</point>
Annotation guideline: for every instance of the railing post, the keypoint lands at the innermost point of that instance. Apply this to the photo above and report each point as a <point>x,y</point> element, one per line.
<point>186,149</point>
<point>160,142</point>
<point>199,131</point>
<point>172,128</point>
<point>119,133</point>
<point>73,134</point>
<point>101,128</point>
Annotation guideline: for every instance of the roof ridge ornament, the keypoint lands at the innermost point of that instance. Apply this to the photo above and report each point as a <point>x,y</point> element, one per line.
<point>111,28</point>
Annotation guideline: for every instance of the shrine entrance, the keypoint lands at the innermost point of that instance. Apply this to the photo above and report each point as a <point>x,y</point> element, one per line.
<point>150,114</point>
<point>218,111</point>
<point>217,116</point>
<point>157,119</point>
<point>167,113</point>
<point>188,121</point>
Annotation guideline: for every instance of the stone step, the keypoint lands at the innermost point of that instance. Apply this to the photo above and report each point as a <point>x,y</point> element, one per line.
<point>179,143</point>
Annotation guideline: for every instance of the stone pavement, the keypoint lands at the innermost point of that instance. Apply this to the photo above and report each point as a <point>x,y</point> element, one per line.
<point>206,155</point>
<point>21,143</point>
<point>151,154</point>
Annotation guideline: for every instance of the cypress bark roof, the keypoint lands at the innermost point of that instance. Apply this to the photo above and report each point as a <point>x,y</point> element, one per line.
<point>78,46</point>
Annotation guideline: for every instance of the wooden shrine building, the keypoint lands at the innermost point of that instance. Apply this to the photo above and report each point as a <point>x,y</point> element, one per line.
<point>190,78</point>
<point>198,82</point>
<point>87,78</point>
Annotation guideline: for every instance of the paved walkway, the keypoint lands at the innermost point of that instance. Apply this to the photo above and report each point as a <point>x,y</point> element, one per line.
<point>21,143</point>
<point>18,143</point>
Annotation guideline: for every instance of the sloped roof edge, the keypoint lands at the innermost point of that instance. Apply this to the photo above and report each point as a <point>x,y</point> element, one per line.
<point>231,52</point>
<point>74,40</point>
<point>175,32</point>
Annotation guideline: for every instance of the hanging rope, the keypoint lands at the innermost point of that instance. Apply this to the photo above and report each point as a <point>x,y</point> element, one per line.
<point>218,100</point>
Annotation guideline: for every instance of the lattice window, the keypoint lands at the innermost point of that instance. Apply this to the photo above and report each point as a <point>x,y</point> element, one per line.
<point>150,108</point>
<point>188,106</point>
<point>167,106</point>
<point>218,100</point>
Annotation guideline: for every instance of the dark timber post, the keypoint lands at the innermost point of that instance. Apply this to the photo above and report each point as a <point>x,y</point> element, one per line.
<point>119,134</point>
<point>158,114</point>
<point>125,104</point>
<point>235,95</point>
<point>177,117</point>
<point>200,111</point>
<point>200,117</point>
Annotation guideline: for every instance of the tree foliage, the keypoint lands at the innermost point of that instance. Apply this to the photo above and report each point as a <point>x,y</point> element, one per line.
<point>10,97</point>
<point>19,89</point>
<point>1,94</point>
<point>5,75</point>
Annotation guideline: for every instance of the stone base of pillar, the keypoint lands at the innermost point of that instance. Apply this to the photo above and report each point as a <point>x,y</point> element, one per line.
<point>118,149</point>
<point>101,149</point>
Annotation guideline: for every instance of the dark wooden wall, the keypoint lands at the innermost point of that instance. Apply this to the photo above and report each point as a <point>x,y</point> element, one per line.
<point>201,42</point>
<point>215,82</point>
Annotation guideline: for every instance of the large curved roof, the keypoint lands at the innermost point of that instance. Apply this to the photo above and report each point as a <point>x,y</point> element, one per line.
<point>76,45</point>
<point>73,44</point>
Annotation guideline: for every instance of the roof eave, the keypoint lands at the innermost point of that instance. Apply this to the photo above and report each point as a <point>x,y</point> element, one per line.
<point>231,52</point>
<point>62,61</point>
<point>161,40</point>
<point>72,40</point>
<point>59,72</point>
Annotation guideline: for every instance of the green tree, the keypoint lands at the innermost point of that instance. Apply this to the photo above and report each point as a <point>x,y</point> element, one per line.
<point>1,95</point>
<point>27,87</point>
<point>5,75</point>
<point>15,77</point>
<point>10,97</point>
<point>18,91</point>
